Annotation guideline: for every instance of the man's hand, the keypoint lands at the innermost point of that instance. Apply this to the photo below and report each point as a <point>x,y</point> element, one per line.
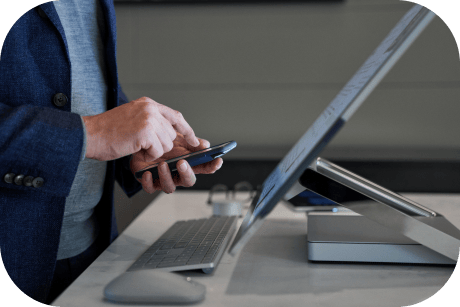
<point>186,176</point>
<point>141,126</point>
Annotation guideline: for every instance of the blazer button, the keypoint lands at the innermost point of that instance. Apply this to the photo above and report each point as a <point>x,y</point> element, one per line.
<point>28,181</point>
<point>18,179</point>
<point>38,182</point>
<point>59,100</point>
<point>9,178</point>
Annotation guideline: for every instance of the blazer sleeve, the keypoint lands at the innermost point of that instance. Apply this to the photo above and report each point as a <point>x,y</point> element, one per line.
<point>123,174</point>
<point>40,142</point>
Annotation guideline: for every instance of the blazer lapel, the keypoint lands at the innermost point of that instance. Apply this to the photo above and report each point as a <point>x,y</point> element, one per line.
<point>53,16</point>
<point>110,43</point>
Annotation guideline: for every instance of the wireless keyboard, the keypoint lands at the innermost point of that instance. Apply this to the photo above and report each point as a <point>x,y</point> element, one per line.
<point>189,245</point>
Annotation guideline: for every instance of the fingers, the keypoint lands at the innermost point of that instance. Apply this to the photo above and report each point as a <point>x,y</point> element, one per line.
<point>168,128</point>
<point>203,145</point>
<point>166,182</point>
<point>155,150</point>
<point>160,143</point>
<point>208,168</point>
<point>147,183</point>
<point>186,177</point>
<point>165,139</point>
<point>178,121</point>
<point>162,138</point>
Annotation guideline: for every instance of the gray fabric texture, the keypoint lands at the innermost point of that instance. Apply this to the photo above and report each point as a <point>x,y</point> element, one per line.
<point>83,25</point>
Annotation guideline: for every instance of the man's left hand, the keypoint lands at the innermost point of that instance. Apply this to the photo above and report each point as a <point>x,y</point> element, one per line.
<point>186,177</point>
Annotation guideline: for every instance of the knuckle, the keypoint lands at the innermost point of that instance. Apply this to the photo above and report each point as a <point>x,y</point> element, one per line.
<point>151,109</point>
<point>169,146</point>
<point>178,115</point>
<point>138,144</point>
<point>144,119</point>
<point>141,102</point>
<point>165,148</point>
<point>148,99</point>
<point>160,151</point>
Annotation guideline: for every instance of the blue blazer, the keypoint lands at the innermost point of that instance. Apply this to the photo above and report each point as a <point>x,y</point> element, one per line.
<point>40,139</point>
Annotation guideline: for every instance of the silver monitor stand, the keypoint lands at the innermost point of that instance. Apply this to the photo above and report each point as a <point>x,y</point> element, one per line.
<point>385,227</point>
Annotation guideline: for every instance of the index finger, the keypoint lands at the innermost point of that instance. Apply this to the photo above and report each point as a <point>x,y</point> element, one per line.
<point>179,123</point>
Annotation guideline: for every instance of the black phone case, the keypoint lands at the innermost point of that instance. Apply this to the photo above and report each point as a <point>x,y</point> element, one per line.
<point>197,158</point>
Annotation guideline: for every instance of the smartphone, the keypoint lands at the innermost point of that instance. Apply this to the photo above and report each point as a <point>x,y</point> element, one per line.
<point>193,159</point>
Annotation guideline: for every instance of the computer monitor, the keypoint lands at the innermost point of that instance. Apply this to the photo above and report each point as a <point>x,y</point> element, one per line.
<point>349,99</point>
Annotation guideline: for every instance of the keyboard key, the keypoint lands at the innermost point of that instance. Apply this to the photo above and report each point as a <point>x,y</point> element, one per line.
<point>180,245</point>
<point>184,257</point>
<point>175,251</point>
<point>207,259</point>
<point>167,246</point>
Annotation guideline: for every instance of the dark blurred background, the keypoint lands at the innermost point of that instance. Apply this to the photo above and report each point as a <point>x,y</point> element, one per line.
<point>260,72</point>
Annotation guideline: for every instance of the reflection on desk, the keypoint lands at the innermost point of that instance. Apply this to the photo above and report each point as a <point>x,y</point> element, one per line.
<point>272,269</point>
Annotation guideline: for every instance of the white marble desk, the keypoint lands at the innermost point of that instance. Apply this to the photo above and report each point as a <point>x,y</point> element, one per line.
<point>272,270</point>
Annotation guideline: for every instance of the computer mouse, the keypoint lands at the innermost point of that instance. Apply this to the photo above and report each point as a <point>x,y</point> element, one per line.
<point>154,287</point>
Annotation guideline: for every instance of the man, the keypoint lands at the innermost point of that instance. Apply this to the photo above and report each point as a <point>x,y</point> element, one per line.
<point>67,132</point>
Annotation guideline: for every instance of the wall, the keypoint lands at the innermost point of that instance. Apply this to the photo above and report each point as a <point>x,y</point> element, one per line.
<point>260,74</point>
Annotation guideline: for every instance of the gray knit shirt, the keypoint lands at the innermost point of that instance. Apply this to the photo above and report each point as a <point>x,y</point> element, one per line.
<point>83,24</point>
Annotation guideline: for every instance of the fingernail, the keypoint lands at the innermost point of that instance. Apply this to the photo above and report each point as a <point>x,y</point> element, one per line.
<point>183,166</point>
